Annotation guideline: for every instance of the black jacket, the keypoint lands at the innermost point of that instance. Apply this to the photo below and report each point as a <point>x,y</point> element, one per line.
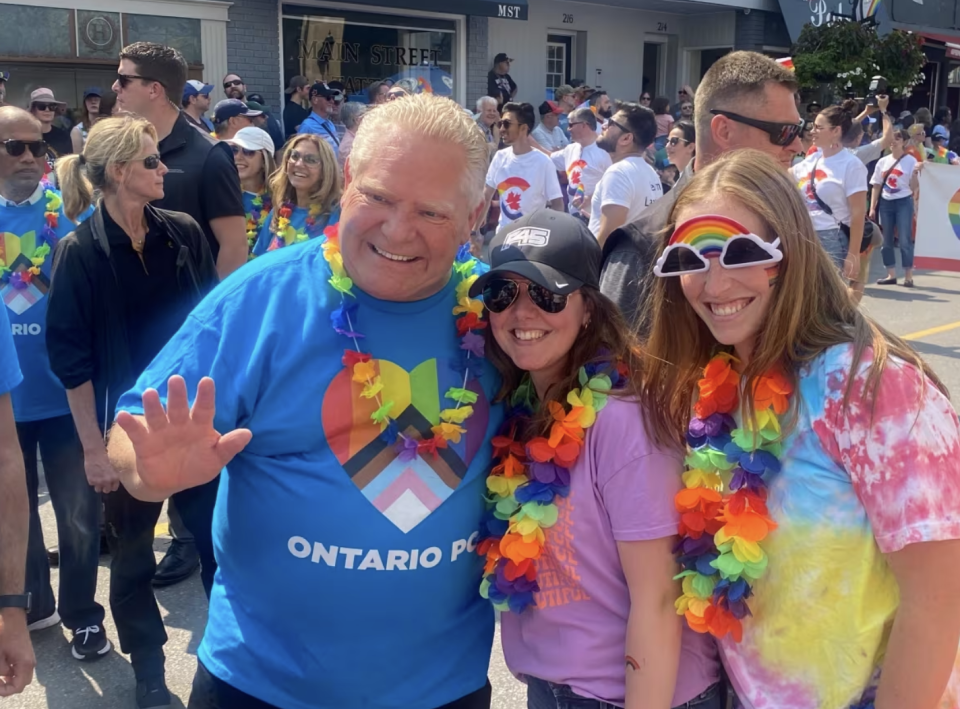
<point>86,329</point>
<point>630,253</point>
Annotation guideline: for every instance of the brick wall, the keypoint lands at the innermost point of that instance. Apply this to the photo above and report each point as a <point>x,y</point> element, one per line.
<point>253,48</point>
<point>478,59</point>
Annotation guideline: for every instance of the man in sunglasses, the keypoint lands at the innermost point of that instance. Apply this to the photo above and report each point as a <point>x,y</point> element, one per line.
<point>745,100</point>
<point>43,107</point>
<point>322,99</point>
<point>201,179</point>
<point>233,87</point>
<point>40,405</point>
<point>196,103</point>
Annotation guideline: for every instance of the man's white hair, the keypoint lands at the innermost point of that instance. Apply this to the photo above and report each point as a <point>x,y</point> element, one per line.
<point>483,101</point>
<point>435,118</point>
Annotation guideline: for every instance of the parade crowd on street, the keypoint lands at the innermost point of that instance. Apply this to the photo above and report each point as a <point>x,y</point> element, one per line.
<point>596,367</point>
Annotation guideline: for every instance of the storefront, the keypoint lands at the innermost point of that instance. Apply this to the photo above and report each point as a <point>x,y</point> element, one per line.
<point>424,47</point>
<point>75,45</point>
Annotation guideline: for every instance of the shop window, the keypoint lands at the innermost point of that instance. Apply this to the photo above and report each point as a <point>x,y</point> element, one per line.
<point>360,48</point>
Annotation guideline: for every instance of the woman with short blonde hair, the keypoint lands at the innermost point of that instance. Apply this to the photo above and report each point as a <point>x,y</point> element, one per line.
<point>822,490</point>
<point>305,190</point>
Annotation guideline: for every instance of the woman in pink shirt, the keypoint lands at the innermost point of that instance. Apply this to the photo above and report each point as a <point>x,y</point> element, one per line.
<point>579,541</point>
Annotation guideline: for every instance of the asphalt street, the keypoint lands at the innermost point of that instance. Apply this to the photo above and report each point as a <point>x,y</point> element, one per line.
<point>928,314</point>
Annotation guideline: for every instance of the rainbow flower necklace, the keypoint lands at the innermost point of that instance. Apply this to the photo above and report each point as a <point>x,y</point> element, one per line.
<point>365,371</point>
<point>286,235</point>
<point>21,280</point>
<point>723,507</point>
<point>525,481</point>
<point>257,216</point>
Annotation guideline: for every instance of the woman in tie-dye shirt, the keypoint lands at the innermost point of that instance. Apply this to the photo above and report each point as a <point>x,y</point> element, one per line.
<point>858,605</point>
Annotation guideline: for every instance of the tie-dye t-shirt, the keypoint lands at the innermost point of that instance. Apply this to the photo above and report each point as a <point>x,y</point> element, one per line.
<point>851,490</point>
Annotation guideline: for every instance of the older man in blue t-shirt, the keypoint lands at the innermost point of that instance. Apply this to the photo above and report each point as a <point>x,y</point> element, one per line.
<point>353,412</point>
<point>32,222</point>
<point>322,98</point>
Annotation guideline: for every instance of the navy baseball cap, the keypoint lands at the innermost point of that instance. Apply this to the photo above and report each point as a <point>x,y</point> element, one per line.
<point>231,107</point>
<point>196,88</point>
<point>92,91</point>
<point>322,90</point>
<point>553,249</point>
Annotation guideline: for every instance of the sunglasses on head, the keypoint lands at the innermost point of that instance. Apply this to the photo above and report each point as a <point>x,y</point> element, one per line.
<point>16,148</point>
<point>307,159</point>
<point>45,107</point>
<point>230,84</point>
<point>739,251</point>
<point>500,293</point>
<point>781,134</point>
<point>125,79</point>
<point>246,153</point>
<point>676,141</point>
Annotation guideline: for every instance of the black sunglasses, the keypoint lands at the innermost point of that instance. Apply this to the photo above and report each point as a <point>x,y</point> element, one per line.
<point>16,148</point>
<point>500,293</point>
<point>45,107</point>
<point>619,125</point>
<point>781,134</point>
<point>151,162</point>
<point>247,153</point>
<point>235,82</point>
<point>125,79</point>
<point>504,124</point>
<point>676,141</point>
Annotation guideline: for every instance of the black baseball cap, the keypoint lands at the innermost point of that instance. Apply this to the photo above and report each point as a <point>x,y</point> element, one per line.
<point>231,107</point>
<point>553,249</point>
<point>322,90</point>
<point>501,57</point>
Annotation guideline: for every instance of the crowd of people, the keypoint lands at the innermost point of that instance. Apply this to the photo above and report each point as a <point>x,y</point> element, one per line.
<point>401,367</point>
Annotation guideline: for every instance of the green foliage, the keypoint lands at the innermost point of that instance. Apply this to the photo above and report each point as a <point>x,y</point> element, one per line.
<point>846,55</point>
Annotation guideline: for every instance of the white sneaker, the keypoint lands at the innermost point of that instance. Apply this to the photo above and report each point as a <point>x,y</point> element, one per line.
<point>43,623</point>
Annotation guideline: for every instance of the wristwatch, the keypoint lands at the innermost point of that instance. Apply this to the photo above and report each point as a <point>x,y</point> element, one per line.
<point>23,600</point>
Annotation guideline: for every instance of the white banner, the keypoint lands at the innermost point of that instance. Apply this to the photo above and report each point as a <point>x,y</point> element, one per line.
<point>938,218</point>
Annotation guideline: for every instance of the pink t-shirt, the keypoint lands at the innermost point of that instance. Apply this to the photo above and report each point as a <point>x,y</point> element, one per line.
<point>621,489</point>
<point>664,121</point>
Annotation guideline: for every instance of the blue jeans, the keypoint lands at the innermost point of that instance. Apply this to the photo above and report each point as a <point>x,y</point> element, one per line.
<point>77,508</point>
<point>542,694</point>
<point>836,244</point>
<point>896,219</point>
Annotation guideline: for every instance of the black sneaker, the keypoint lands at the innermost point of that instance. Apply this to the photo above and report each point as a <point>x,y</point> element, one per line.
<point>90,643</point>
<point>152,693</point>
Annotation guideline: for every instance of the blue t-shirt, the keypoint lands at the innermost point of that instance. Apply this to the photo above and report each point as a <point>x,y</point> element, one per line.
<point>10,374</point>
<point>26,258</point>
<point>298,222</point>
<point>323,127</point>
<point>347,577</point>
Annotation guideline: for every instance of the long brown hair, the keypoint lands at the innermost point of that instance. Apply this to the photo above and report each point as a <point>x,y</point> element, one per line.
<point>329,185</point>
<point>809,311</point>
<point>607,341</point>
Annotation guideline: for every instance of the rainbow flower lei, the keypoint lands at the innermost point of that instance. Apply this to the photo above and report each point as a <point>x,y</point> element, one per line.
<point>363,366</point>
<point>256,217</point>
<point>286,235</point>
<point>525,481</point>
<point>48,236</point>
<point>720,532</point>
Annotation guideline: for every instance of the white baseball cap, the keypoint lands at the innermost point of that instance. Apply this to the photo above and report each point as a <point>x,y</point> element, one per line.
<point>253,138</point>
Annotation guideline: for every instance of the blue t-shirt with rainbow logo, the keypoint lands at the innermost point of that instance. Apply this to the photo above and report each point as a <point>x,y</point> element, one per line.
<point>28,238</point>
<point>347,573</point>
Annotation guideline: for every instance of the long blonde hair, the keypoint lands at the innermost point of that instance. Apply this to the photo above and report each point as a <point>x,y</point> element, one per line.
<point>329,187</point>
<point>111,141</point>
<point>809,310</point>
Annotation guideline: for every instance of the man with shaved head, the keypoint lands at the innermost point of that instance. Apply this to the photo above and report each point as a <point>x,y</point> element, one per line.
<point>40,408</point>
